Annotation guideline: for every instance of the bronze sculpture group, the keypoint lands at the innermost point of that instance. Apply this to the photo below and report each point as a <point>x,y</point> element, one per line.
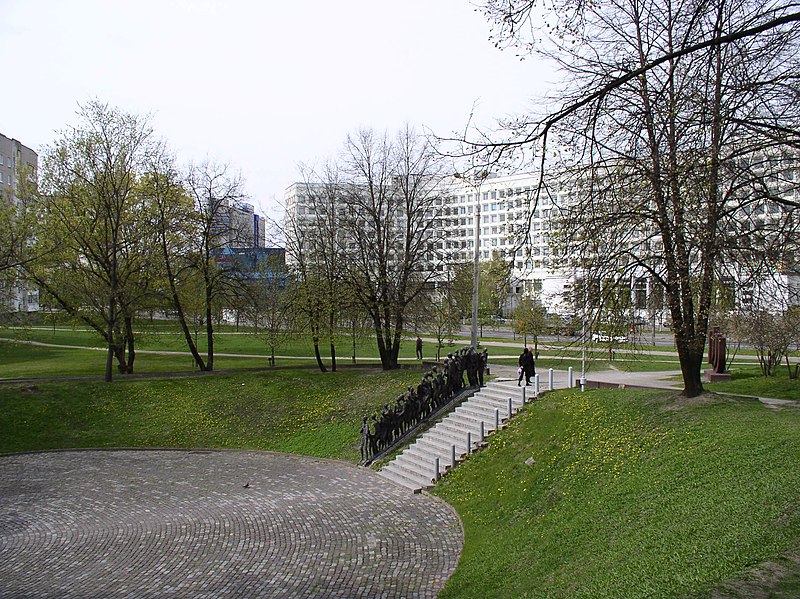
<point>437,388</point>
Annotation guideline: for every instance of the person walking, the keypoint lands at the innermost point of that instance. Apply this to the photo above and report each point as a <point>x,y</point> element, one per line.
<point>419,348</point>
<point>527,367</point>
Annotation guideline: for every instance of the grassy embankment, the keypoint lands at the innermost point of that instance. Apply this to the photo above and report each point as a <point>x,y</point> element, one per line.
<point>294,411</point>
<point>632,494</point>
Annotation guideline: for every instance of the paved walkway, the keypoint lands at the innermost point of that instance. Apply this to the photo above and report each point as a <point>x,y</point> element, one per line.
<point>215,524</point>
<point>658,380</point>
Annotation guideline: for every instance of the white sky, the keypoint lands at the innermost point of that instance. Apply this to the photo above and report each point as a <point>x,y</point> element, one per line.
<point>261,85</point>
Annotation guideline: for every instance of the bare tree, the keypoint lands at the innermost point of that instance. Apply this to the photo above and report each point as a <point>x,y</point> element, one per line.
<point>270,301</point>
<point>679,117</point>
<point>215,191</point>
<point>392,202</point>
<point>313,249</point>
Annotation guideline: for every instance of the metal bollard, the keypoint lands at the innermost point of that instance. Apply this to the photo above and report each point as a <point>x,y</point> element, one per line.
<point>550,379</point>
<point>437,474</point>
<point>536,386</point>
<point>510,408</point>
<point>482,433</point>
<point>497,418</point>
<point>452,456</point>
<point>570,378</point>
<point>469,442</point>
<point>524,395</point>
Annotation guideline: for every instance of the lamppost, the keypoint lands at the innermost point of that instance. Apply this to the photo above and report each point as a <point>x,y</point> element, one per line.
<point>478,181</point>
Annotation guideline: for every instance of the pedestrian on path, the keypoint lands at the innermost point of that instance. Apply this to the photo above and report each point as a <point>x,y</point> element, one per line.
<point>527,367</point>
<point>419,348</point>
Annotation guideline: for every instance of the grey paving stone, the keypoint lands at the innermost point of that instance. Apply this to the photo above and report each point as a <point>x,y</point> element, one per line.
<point>182,524</point>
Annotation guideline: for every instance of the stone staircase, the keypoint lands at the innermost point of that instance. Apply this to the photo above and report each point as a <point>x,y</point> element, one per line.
<point>457,434</point>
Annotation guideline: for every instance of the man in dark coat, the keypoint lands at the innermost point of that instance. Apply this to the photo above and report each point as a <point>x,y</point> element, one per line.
<point>527,367</point>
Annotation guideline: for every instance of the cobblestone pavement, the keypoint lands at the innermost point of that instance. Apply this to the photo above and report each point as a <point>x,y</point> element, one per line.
<point>215,524</point>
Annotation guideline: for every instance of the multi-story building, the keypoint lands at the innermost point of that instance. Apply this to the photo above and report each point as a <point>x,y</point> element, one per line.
<point>16,160</point>
<point>509,227</point>
<point>516,223</point>
<point>238,226</point>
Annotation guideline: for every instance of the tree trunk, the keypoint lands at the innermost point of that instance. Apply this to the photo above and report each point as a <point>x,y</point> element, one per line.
<point>331,322</point>
<point>131,344</point>
<point>317,354</point>
<point>691,361</point>
<point>354,342</point>
<point>209,333</point>
<point>110,339</point>
<point>176,302</point>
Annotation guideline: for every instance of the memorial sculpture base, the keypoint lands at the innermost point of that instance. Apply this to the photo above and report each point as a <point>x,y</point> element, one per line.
<point>712,376</point>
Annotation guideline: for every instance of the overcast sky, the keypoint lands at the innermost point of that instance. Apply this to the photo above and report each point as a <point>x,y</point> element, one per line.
<point>261,85</point>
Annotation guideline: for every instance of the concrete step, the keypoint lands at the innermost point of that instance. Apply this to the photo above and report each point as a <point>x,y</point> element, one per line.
<point>413,467</point>
<point>422,460</point>
<point>468,421</point>
<point>485,413</point>
<point>443,450</point>
<point>444,437</point>
<point>413,484</point>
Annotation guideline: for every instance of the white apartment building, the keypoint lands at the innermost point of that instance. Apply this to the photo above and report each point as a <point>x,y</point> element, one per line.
<point>503,204</point>
<point>16,159</point>
<point>512,227</point>
<point>517,227</point>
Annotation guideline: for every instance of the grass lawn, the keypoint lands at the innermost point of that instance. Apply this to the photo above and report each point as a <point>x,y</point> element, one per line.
<point>299,351</point>
<point>749,381</point>
<point>629,494</point>
<point>23,361</point>
<point>294,411</point>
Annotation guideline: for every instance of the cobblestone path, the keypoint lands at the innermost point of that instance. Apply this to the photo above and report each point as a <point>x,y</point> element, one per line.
<point>215,524</point>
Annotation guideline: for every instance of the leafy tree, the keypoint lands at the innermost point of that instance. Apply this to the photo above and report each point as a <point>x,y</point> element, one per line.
<point>317,252</point>
<point>442,321</point>
<point>493,285</point>
<point>96,250</point>
<point>771,335</point>
<point>530,318</point>
<point>174,222</point>
<point>461,288</point>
